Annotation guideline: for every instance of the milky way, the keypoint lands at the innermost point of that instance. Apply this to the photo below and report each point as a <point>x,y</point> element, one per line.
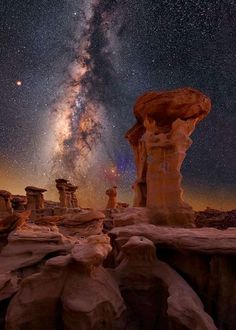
<point>83,63</point>
<point>80,113</point>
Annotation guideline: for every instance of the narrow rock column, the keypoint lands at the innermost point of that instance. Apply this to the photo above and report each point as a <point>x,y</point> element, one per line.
<point>74,200</point>
<point>67,194</point>
<point>61,187</point>
<point>112,201</point>
<point>165,155</point>
<point>35,199</point>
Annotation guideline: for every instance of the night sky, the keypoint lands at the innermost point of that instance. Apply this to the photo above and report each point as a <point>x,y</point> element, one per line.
<point>70,72</point>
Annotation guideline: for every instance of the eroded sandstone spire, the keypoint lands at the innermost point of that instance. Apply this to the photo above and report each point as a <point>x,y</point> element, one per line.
<point>35,199</point>
<point>160,139</point>
<point>112,198</point>
<point>67,193</point>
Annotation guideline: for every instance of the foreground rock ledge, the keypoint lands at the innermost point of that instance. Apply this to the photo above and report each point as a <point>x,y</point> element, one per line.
<point>205,240</point>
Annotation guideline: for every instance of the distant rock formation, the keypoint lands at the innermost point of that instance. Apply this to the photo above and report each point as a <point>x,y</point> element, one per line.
<point>35,199</point>
<point>112,198</point>
<point>67,194</point>
<point>19,203</point>
<point>160,139</point>
<point>215,218</point>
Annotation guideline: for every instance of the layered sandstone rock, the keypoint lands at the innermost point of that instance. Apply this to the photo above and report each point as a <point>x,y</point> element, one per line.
<point>19,203</point>
<point>202,240</point>
<point>35,199</point>
<point>204,257</point>
<point>81,224</point>
<point>5,203</point>
<point>9,223</point>
<point>67,194</point>
<point>149,285</point>
<point>78,293</point>
<point>131,216</point>
<point>160,139</point>
<point>8,285</point>
<point>29,244</point>
<point>216,218</point>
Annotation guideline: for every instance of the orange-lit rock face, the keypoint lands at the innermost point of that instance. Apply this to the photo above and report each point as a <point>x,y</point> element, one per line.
<point>35,199</point>
<point>166,107</point>
<point>160,140</point>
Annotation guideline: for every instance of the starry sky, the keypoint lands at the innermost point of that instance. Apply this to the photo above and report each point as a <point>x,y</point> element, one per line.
<point>70,72</point>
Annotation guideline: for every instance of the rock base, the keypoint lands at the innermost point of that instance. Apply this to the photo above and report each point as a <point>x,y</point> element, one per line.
<point>181,217</point>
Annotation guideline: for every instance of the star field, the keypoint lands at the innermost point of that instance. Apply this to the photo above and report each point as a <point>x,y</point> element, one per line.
<point>134,46</point>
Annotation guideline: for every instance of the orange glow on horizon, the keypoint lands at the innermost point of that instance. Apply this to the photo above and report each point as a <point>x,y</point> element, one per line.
<point>16,179</point>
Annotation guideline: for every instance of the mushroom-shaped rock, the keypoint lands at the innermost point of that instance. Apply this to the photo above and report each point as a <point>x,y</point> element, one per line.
<point>67,194</point>
<point>160,139</point>
<point>35,198</point>
<point>166,107</point>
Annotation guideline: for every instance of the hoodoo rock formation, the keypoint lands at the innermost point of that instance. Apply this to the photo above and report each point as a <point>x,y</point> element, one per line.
<point>35,199</point>
<point>112,198</point>
<point>160,139</point>
<point>67,194</point>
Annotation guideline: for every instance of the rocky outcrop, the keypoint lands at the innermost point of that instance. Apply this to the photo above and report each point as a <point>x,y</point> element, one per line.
<point>112,198</point>
<point>216,218</point>
<point>19,203</point>
<point>205,259</point>
<point>67,194</point>
<point>81,224</point>
<point>203,240</point>
<point>160,139</point>
<point>8,285</point>
<point>30,244</point>
<point>5,203</point>
<point>78,293</point>
<point>9,223</point>
<point>149,285</point>
<point>35,199</point>
<point>131,216</point>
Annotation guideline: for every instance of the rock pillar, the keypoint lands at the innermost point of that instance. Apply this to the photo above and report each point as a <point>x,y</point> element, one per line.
<point>112,200</point>
<point>67,193</point>
<point>35,199</point>
<point>160,140</point>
